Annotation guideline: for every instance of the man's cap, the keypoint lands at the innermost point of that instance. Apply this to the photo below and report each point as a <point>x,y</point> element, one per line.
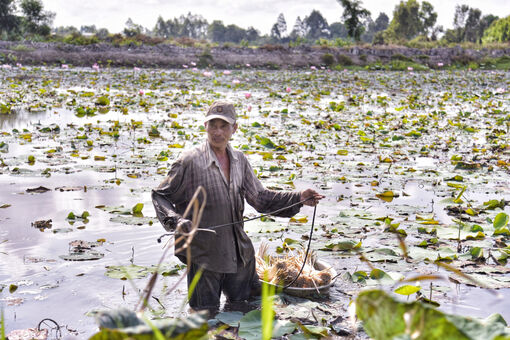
<point>221,110</point>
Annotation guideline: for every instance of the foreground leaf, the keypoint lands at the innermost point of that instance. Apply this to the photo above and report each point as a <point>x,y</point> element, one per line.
<point>386,318</point>
<point>125,324</point>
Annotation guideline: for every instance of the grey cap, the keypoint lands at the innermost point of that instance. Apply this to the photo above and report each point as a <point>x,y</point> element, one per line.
<point>221,110</point>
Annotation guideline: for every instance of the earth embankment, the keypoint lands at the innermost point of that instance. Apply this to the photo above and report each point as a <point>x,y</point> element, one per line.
<point>270,56</point>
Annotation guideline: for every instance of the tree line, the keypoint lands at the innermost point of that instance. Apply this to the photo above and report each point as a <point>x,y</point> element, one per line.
<point>411,21</point>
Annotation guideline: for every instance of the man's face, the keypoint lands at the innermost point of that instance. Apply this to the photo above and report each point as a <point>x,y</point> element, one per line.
<point>219,132</point>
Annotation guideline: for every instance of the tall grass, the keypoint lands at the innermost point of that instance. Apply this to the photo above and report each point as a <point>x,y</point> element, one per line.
<point>267,314</point>
<point>2,325</point>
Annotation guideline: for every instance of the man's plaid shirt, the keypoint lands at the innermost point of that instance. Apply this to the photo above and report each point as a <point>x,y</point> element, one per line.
<point>218,252</point>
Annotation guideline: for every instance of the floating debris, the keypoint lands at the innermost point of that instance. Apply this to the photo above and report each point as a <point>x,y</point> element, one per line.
<point>38,190</point>
<point>42,224</point>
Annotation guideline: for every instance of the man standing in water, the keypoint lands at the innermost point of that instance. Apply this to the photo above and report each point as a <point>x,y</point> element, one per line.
<point>226,256</point>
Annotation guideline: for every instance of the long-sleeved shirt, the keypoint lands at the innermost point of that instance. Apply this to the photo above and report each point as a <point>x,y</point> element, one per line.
<point>225,204</point>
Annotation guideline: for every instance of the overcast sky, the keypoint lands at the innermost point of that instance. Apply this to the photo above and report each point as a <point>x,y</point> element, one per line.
<point>261,14</point>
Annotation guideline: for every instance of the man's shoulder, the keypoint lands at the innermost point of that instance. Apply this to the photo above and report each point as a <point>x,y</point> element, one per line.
<point>238,155</point>
<point>192,155</point>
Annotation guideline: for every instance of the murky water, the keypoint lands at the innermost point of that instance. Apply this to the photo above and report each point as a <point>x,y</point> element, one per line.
<point>67,292</point>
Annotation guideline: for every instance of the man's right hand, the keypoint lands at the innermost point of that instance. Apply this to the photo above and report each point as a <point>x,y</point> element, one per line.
<point>184,226</point>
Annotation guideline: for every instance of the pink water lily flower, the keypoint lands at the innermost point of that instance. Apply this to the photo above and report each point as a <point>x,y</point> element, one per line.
<point>185,66</point>
<point>194,69</point>
<point>409,68</point>
<point>193,64</point>
<point>235,81</point>
<point>65,66</point>
<point>6,66</point>
<point>136,69</point>
<point>95,67</point>
<point>440,64</point>
<point>313,67</point>
<point>248,108</point>
<point>226,72</point>
<point>248,65</point>
<point>288,89</point>
<point>207,74</point>
<point>247,95</point>
<point>141,93</point>
<point>19,65</point>
<point>500,90</point>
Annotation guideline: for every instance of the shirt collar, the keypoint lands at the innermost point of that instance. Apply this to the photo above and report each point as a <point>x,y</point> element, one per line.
<point>210,156</point>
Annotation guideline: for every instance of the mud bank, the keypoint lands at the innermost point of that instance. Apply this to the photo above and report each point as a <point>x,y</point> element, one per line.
<point>269,57</point>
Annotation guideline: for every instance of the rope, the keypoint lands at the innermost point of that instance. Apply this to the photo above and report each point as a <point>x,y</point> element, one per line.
<point>307,249</point>
<point>272,213</point>
<point>247,220</point>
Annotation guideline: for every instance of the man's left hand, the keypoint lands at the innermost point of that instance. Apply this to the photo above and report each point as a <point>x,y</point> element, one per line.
<point>311,196</point>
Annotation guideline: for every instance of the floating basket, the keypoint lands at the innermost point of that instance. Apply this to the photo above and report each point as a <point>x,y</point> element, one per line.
<point>309,291</point>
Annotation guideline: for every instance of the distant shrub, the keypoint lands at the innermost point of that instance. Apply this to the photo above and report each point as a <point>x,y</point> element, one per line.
<point>462,59</point>
<point>228,45</point>
<point>148,40</point>
<point>272,47</point>
<point>272,66</point>
<point>186,41</point>
<point>205,58</point>
<point>498,31</point>
<point>503,59</point>
<point>378,38</point>
<point>473,65</point>
<point>328,59</point>
<point>399,56</point>
<point>345,60</point>
<point>22,48</point>
<point>339,42</point>
<point>77,38</point>
<point>488,63</point>
<point>363,58</point>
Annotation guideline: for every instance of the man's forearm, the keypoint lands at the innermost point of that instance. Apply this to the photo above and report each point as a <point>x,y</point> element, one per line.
<point>165,211</point>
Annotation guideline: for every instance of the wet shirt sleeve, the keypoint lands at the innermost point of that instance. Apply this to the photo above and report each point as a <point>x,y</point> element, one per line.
<point>265,200</point>
<point>167,194</point>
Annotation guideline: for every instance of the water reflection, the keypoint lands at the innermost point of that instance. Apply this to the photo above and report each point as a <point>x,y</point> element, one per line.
<point>22,119</point>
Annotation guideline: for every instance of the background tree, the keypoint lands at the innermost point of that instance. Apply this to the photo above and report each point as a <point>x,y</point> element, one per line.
<point>66,30</point>
<point>216,31</point>
<point>298,30</point>
<point>88,29</point>
<point>234,34</point>
<point>428,17</point>
<point>338,30</point>
<point>252,34</point>
<point>498,31</point>
<point>373,27</point>
<point>468,25</point>
<point>279,29</point>
<point>382,22</point>
<point>102,33</point>
<point>192,26</point>
<point>8,21</point>
<point>316,26</point>
<point>410,20</point>
<point>35,20</point>
<point>131,29</point>
<point>353,17</point>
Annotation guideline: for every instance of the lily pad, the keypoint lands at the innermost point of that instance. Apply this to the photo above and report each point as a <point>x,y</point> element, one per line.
<point>386,318</point>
